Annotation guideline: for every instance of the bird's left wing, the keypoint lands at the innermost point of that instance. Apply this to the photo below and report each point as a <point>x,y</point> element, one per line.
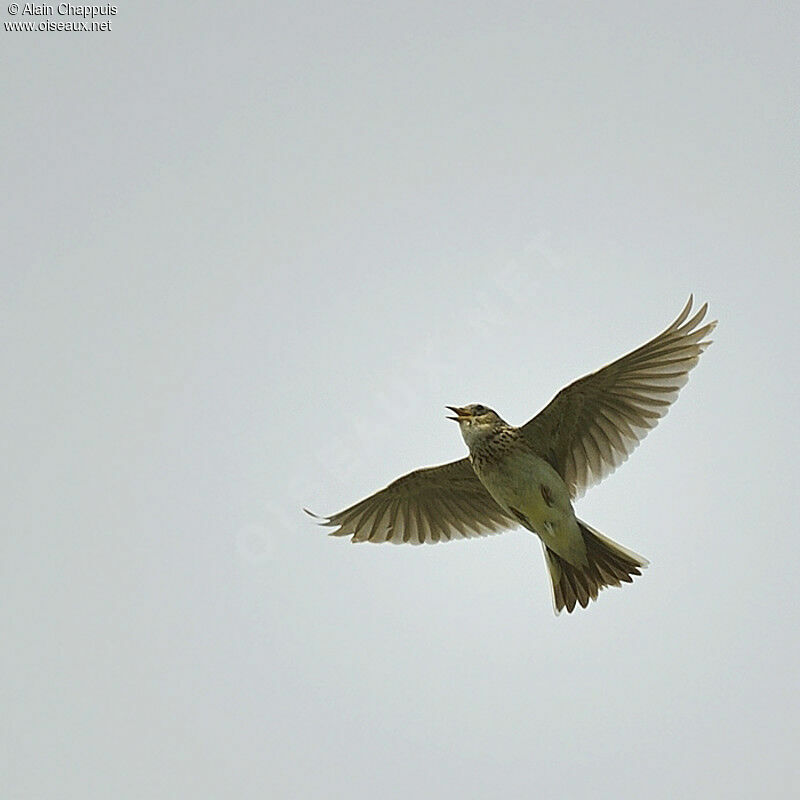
<point>589,428</point>
<point>428,505</point>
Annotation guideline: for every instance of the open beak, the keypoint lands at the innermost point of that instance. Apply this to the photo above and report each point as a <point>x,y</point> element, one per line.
<point>461,413</point>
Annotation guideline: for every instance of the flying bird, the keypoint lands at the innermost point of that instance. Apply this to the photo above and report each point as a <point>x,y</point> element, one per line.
<point>529,476</point>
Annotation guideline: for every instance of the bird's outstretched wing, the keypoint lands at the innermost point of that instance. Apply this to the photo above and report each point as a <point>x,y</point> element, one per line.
<point>591,427</point>
<point>428,505</point>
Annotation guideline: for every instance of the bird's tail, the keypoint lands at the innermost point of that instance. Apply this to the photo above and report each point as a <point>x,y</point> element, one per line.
<point>609,564</point>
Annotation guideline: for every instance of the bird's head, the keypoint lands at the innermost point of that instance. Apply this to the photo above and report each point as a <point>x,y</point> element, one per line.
<point>475,421</point>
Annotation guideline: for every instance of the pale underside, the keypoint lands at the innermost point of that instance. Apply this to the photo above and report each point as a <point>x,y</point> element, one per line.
<point>586,431</point>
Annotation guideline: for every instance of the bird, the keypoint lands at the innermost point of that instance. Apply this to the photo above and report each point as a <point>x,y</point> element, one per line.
<point>529,476</point>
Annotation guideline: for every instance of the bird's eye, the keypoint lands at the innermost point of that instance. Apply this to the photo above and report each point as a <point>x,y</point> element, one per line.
<point>480,409</point>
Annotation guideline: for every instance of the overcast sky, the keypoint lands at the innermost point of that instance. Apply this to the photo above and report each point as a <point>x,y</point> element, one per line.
<point>249,253</point>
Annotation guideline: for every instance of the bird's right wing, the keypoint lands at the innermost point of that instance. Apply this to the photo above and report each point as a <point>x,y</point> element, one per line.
<point>428,505</point>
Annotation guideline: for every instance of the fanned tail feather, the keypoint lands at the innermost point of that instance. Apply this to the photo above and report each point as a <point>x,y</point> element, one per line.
<point>609,564</point>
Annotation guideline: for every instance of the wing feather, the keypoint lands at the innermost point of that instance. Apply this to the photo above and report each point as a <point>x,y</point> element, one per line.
<point>591,427</point>
<point>435,504</point>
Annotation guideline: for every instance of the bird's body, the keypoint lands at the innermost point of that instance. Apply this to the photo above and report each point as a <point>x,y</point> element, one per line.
<point>526,487</point>
<point>529,476</point>
<point>581,560</point>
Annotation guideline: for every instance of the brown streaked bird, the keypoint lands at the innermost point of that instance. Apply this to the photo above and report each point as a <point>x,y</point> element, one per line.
<point>529,476</point>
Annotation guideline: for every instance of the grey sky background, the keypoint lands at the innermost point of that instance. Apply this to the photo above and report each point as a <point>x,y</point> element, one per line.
<point>249,254</point>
